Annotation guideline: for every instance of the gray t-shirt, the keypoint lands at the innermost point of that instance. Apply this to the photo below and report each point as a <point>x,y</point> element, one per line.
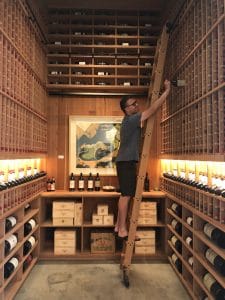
<point>130,134</point>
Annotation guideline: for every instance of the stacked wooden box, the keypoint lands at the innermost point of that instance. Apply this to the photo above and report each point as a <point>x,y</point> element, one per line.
<point>67,213</point>
<point>65,242</point>
<point>147,243</point>
<point>102,217</point>
<point>102,242</point>
<point>147,213</point>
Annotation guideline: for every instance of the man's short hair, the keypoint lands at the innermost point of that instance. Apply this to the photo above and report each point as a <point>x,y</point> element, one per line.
<point>123,103</point>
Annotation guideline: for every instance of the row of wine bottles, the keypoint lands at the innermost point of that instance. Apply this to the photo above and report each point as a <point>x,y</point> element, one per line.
<point>93,183</point>
<point>12,240</point>
<point>216,188</point>
<point>19,181</point>
<point>13,263</point>
<point>209,281</point>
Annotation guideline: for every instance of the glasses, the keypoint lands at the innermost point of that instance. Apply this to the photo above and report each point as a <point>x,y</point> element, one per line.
<point>132,104</point>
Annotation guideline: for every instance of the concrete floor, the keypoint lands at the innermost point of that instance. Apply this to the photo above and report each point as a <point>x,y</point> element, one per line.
<point>70,281</point>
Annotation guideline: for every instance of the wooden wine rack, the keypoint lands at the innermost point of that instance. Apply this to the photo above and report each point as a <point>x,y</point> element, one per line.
<point>193,118</point>
<point>101,50</point>
<point>23,94</point>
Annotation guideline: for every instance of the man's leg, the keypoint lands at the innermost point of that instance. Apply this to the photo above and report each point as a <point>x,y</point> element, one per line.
<point>122,215</point>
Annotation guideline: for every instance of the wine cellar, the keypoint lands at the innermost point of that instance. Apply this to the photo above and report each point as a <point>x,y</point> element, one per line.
<point>64,67</point>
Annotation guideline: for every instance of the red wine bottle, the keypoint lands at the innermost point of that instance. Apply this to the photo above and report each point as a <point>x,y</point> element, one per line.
<point>215,234</point>
<point>10,243</point>
<point>29,226</point>
<point>177,209</point>
<point>217,261</point>
<point>10,267</point>
<point>10,222</point>
<point>27,262</point>
<point>72,183</point>
<point>81,183</point>
<point>97,183</point>
<point>28,245</point>
<point>189,241</point>
<point>176,243</point>
<point>176,226</point>
<point>90,183</point>
<point>177,262</point>
<point>213,286</point>
<point>190,221</point>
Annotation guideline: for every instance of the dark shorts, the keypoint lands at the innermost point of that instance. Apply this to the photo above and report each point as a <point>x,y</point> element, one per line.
<point>127,176</point>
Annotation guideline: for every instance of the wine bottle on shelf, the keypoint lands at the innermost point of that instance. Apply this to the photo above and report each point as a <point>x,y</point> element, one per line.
<point>191,261</point>
<point>72,183</point>
<point>90,183</point>
<point>81,183</point>
<point>176,243</point>
<point>215,235</point>
<point>217,261</point>
<point>177,209</point>
<point>27,262</point>
<point>176,226</point>
<point>27,207</point>
<point>189,241</point>
<point>146,183</point>
<point>29,226</point>
<point>10,243</point>
<point>53,184</point>
<point>213,286</point>
<point>177,262</point>
<point>10,222</point>
<point>10,267</point>
<point>28,245</point>
<point>48,185</point>
<point>190,221</point>
<point>97,183</point>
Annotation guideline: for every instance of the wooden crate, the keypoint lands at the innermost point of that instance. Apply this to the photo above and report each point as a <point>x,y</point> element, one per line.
<point>102,242</point>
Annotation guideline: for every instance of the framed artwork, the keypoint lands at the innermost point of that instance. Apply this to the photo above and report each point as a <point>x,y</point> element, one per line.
<point>93,144</point>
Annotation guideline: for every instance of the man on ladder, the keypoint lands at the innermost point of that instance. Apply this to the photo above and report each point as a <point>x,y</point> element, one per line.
<point>128,154</point>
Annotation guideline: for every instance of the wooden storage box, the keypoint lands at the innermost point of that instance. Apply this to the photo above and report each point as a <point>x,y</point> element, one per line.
<point>78,214</point>
<point>145,250</point>
<point>62,221</point>
<point>63,209</point>
<point>147,220</point>
<point>64,242</point>
<point>97,220</point>
<point>102,209</point>
<point>147,213</point>
<point>146,234</point>
<point>148,205</point>
<point>102,242</point>
<point>108,220</point>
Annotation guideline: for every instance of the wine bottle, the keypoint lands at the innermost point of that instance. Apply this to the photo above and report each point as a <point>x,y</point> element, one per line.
<point>10,267</point>
<point>27,262</point>
<point>178,82</point>
<point>90,183</point>
<point>10,222</point>
<point>27,207</point>
<point>48,185</point>
<point>81,183</point>
<point>72,183</point>
<point>28,245</point>
<point>191,261</point>
<point>217,261</point>
<point>189,241</point>
<point>190,221</point>
<point>53,184</point>
<point>176,243</point>
<point>176,226</point>
<point>177,262</point>
<point>213,286</point>
<point>29,226</point>
<point>215,234</point>
<point>10,243</point>
<point>176,208</point>
<point>97,183</point>
<point>146,183</point>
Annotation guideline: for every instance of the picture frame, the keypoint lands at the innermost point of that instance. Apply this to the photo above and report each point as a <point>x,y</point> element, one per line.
<point>93,144</point>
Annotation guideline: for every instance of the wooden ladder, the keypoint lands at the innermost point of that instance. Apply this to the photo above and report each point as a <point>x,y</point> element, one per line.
<point>153,94</point>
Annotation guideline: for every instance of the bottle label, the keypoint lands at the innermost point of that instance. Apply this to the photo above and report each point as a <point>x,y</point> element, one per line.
<point>208,280</point>
<point>189,220</point>
<point>32,222</point>
<point>173,240</point>
<point>174,223</point>
<point>14,261</point>
<point>174,258</point>
<point>97,183</point>
<point>188,240</point>
<point>90,184</point>
<point>208,229</point>
<point>191,260</point>
<point>81,184</point>
<point>12,220</point>
<point>72,184</point>
<point>32,241</point>
<point>12,241</point>
<point>210,255</point>
<point>174,206</point>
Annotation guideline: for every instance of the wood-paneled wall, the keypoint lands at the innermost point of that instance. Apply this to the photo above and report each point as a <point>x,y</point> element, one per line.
<point>59,110</point>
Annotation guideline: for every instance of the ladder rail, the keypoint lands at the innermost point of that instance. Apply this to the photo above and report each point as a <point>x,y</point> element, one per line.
<point>153,94</point>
